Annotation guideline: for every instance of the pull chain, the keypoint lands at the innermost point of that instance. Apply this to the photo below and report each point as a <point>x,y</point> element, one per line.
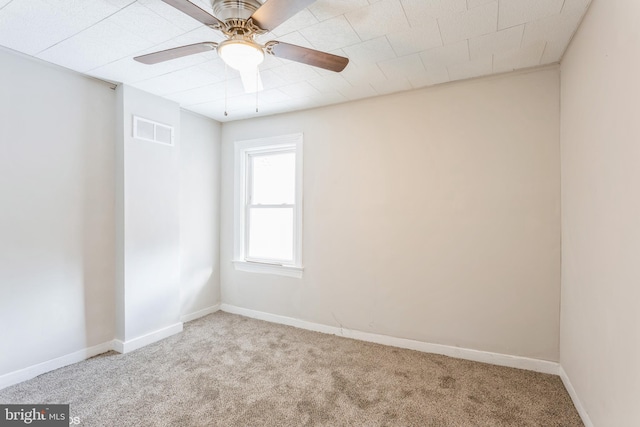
<point>225,90</point>
<point>257,87</point>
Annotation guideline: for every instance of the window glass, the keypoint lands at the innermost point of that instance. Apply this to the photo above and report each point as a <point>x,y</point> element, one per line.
<point>273,178</point>
<point>271,234</point>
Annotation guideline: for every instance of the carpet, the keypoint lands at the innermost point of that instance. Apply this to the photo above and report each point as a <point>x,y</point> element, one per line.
<point>229,370</point>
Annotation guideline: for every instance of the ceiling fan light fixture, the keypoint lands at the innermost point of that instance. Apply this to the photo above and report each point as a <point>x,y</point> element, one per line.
<point>241,54</point>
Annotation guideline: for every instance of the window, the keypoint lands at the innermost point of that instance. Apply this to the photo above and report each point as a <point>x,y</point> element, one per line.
<point>268,205</point>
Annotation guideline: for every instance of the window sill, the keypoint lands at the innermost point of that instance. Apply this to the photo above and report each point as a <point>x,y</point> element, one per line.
<point>281,270</point>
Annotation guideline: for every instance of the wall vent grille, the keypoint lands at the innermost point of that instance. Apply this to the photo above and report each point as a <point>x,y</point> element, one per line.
<point>148,130</point>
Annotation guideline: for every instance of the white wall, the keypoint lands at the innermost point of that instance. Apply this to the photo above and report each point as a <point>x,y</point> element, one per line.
<point>57,132</point>
<point>432,215</point>
<point>199,213</point>
<point>148,219</point>
<point>600,328</point>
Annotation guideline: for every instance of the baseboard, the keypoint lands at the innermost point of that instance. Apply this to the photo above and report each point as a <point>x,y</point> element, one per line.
<point>200,313</point>
<point>150,338</point>
<point>30,372</point>
<point>519,362</point>
<point>574,397</point>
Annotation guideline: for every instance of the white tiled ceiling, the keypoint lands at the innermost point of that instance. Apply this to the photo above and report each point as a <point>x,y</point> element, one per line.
<point>393,45</point>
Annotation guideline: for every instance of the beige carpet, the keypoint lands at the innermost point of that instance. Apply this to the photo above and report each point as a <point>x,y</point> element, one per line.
<point>228,370</point>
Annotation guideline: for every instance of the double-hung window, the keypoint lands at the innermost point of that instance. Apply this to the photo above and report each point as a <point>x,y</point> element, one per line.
<point>268,205</point>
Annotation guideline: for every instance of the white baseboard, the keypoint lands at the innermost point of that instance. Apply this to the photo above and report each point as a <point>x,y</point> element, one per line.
<point>150,338</point>
<point>30,372</point>
<point>200,313</point>
<point>574,397</point>
<point>519,362</point>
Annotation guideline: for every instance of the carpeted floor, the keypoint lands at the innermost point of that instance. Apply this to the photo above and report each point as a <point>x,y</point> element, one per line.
<point>228,370</point>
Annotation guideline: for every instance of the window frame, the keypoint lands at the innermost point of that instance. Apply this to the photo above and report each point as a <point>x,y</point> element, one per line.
<point>243,150</point>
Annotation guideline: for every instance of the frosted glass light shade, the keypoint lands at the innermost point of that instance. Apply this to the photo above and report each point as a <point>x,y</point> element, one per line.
<point>240,55</point>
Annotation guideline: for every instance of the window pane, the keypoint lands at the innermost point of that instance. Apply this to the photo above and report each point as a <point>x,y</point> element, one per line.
<point>274,179</point>
<point>271,233</point>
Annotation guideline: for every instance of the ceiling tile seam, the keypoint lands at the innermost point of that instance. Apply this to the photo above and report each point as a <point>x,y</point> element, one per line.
<point>524,27</point>
<point>408,55</point>
<point>386,36</point>
<point>315,16</point>
<point>303,37</point>
<point>405,12</point>
<point>124,28</point>
<point>156,13</point>
<point>10,1</point>
<point>333,17</point>
<point>546,43</point>
<point>564,2</point>
<point>228,97</point>
<point>144,50</point>
<point>379,69</point>
<point>424,69</point>
<point>468,60</point>
<point>352,45</point>
<point>352,28</point>
<point>183,90</point>
<point>423,64</point>
<point>440,32</point>
<point>84,29</point>
<point>519,25</point>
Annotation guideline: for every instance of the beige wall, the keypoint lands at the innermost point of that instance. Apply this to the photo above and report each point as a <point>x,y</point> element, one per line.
<point>58,181</point>
<point>600,328</point>
<point>57,132</point>
<point>147,219</point>
<point>432,215</point>
<point>199,213</point>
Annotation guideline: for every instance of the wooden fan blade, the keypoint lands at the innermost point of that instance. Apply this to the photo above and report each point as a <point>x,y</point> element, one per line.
<point>196,12</point>
<point>176,52</point>
<point>274,12</point>
<point>308,56</point>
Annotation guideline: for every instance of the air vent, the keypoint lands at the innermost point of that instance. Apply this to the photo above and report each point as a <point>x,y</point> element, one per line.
<point>148,130</point>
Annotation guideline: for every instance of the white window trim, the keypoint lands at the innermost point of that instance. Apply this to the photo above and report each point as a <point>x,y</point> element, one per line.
<point>241,150</point>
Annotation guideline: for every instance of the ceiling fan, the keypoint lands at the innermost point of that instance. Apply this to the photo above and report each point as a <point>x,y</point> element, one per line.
<point>241,21</point>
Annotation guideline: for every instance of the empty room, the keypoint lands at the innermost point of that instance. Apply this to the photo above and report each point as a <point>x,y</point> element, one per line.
<point>320,212</point>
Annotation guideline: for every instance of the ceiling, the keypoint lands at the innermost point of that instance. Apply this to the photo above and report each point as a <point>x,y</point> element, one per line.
<point>393,46</point>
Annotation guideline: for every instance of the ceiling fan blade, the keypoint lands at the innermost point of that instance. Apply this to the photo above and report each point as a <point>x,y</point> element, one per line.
<point>196,13</point>
<point>274,12</point>
<point>251,80</point>
<point>176,52</point>
<point>307,56</point>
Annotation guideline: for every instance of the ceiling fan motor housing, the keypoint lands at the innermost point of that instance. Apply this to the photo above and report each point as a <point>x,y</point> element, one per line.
<point>234,9</point>
<point>241,21</point>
